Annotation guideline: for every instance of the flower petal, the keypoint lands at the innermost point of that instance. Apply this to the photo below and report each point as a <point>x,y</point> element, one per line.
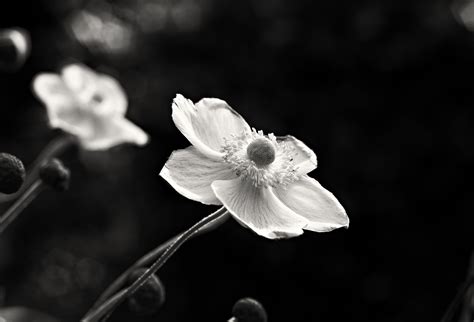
<point>99,93</point>
<point>111,132</point>
<point>305,158</point>
<point>22,314</point>
<point>191,173</point>
<point>258,209</point>
<point>113,96</point>
<point>309,199</point>
<point>207,123</point>
<point>60,104</point>
<point>81,80</point>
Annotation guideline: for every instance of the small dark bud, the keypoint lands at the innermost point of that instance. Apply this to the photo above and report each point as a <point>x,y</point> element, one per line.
<point>149,298</point>
<point>14,48</point>
<point>249,310</point>
<point>55,174</point>
<point>12,173</point>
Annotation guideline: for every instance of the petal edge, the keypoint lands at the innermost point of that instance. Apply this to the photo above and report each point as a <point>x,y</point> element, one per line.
<point>258,209</point>
<point>312,201</point>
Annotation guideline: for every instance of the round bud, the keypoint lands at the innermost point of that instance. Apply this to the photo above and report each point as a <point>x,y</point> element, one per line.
<point>12,173</point>
<point>261,151</point>
<point>15,47</point>
<point>249,310</point>
<point>55,174</point>
<point>149,298</point>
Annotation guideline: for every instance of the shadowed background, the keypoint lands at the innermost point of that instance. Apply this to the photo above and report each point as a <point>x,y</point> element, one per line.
<point>381,90</point>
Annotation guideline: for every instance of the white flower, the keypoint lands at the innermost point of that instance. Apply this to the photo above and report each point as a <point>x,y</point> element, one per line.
<point>261,179</point>
<point>89,105</point>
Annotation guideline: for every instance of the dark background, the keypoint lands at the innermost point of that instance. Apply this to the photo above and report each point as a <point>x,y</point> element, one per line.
<point>381,90</point>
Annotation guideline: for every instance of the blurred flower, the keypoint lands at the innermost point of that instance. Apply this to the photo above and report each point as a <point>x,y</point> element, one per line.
<point>15,47</point>
<point>89,105</point>
<point>463,11</point>
<point>22,314</point>
<point>101,31</point>
<point>261,179</point>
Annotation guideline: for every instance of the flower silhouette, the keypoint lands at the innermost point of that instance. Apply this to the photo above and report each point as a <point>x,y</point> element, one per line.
<point>88,105</point>
<point>261,179</point>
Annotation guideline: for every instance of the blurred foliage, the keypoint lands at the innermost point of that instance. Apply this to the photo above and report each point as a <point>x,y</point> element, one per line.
<point>382,90</point>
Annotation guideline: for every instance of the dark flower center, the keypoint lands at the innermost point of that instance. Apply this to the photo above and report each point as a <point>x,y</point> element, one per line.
<point>261,151</point>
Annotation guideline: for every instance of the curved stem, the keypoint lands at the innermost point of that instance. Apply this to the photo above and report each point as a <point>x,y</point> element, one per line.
<point>54,148</point>
<point>150,257</point>
<point>21,203</point>
<point>108,306</point>
<point>457,300</point>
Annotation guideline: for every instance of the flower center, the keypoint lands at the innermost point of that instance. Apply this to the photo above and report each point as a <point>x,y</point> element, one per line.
<point>260,158</point>
<point>261,151</point>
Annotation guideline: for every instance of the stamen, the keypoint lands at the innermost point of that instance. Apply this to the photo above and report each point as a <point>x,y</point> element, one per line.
<point>261,159</point>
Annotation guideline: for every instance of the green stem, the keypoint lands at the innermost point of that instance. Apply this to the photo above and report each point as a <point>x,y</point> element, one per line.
<point>149,258</point>
<point>108,306</point>
<point>21,203</point>
<point>54,148</point>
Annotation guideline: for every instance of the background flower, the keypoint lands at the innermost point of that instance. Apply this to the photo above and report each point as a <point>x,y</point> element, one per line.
<point>88,105</point>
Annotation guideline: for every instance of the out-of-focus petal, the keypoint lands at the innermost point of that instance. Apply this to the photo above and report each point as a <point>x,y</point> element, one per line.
<point>23,314</point>
<point>81,80</point>
<point>258,209</point>
<point>50,89</point>
<point>191,173</point>
<point>114,98</point>
<point>111,132</point>
<point>305,158</point>
<point>206,123</point>
<point>309,199</point>
<point>99,93</point>
<point>62,108</point>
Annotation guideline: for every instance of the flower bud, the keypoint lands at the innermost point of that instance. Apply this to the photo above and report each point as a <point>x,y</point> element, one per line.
<point>14,48</point>
<point>12,173</point>
<point>149,298</point>
<point>249,310</point>
<point>55,174</point>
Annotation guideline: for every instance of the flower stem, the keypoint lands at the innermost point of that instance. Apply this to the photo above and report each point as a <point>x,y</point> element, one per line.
<point>457,300</point>
<point>170,247</point>
<point>21,203</point>
<point>54,148</point>
<point>150,257</point>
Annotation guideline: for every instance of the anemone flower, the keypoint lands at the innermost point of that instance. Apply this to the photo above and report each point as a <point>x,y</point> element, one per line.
<point>88,105</point>
<point>260,179</point>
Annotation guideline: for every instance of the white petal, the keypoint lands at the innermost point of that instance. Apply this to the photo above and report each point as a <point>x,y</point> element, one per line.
<point>81,80</point>
<point>99,93</point>
<point>114,98</point>
<point>111,132</point>
<point>305,158</point>
<point>50,88</point>
<point>22,314</point>
<point>191,173</point>
<point>259,209</point>
<point>60,104</point>
<point>309,199</point>
<point>207,123</point>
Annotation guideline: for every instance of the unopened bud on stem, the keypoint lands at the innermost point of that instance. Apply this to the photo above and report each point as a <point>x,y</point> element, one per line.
<point>249,310</point>
<point>55,174</point>
<point>149,298</point>
<point>15,47</point>
<point>12,173</point>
